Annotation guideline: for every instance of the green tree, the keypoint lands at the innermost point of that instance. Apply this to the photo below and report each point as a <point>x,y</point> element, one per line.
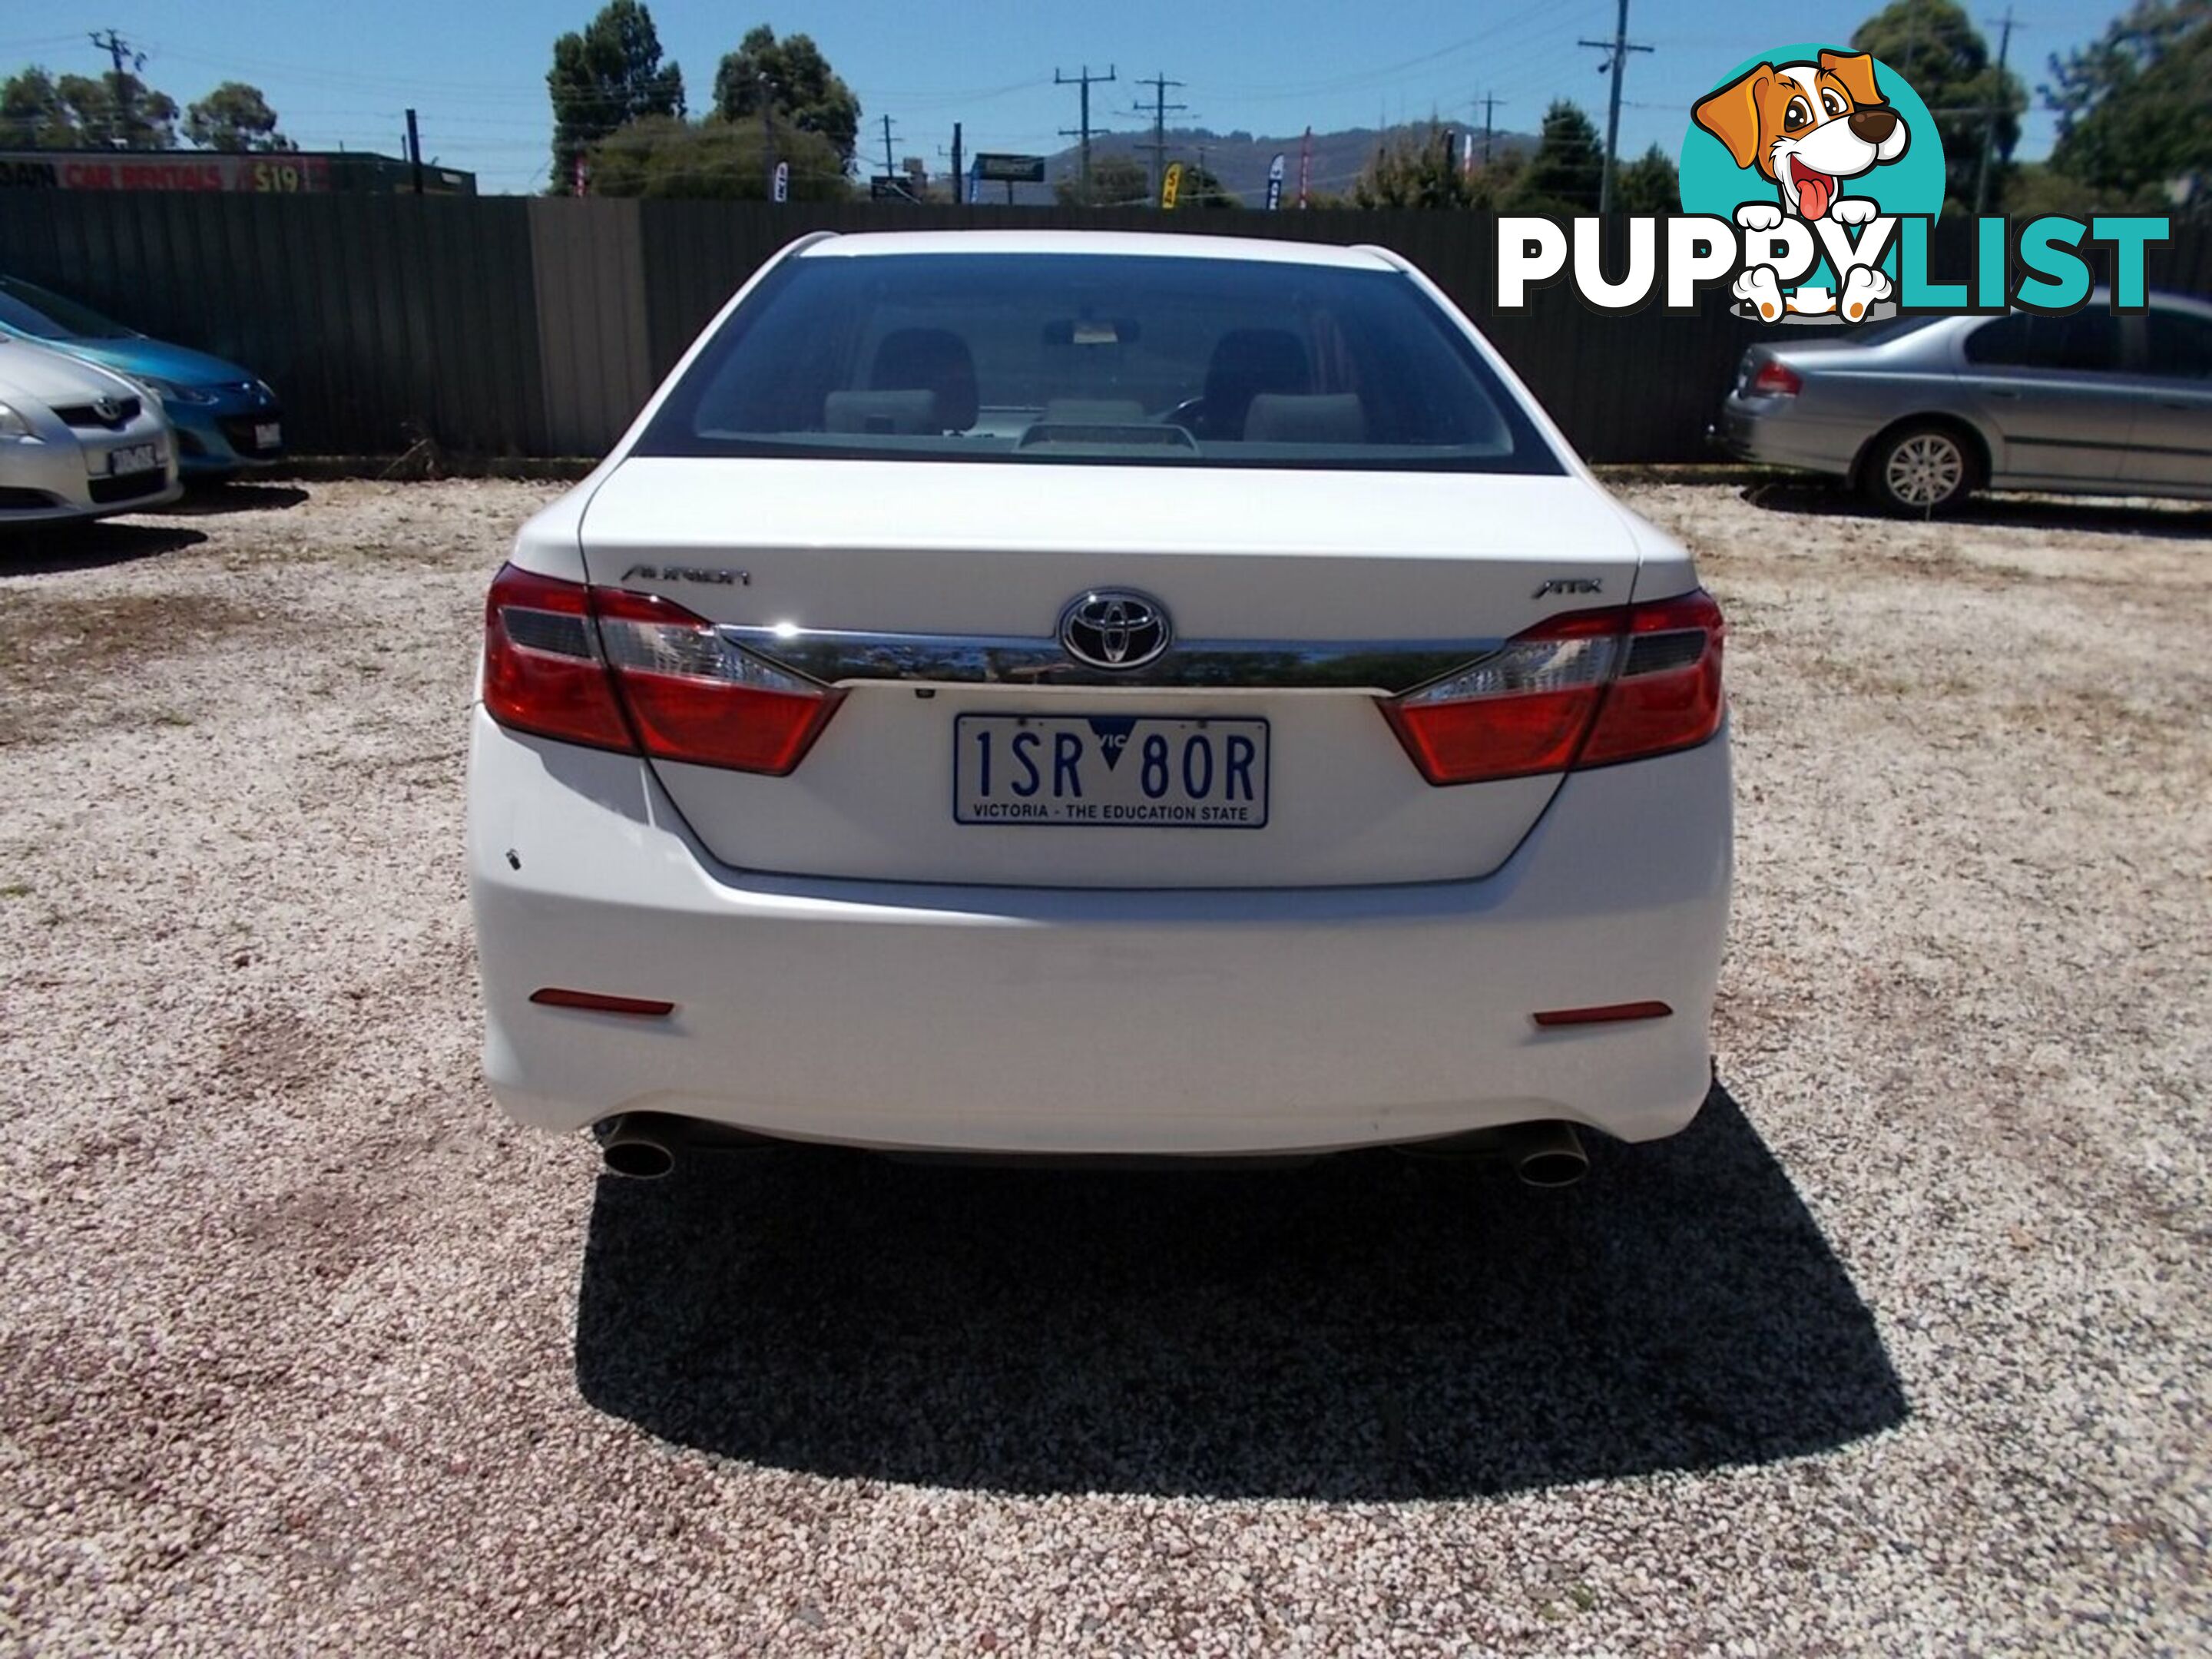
<point>1116,181</point>
<point>1202,189</point>
<point>608,75</point>
<point>1934,45</point>
<point>32,115</point>
<point>668,157</point>
<point>1650,184</point>
<point>1564,174</point>
<point>796,80</point>
<point>2135,108</point>
<point>1421,172</point>
<point>234,117</point>
<point>121,110</point>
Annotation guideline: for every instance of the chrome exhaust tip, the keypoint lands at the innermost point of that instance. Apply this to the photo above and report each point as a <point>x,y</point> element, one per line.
<point>637,1147</point>
<point>1549,1155</point>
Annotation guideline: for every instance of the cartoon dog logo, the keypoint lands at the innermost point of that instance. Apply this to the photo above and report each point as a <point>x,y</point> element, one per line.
<point>1807,128</point>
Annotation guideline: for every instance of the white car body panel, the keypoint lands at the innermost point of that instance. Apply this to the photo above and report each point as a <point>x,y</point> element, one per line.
<point>968,550</point>
<point>1024,1020</point>
<point>58,460</point>
<point>850,966</point>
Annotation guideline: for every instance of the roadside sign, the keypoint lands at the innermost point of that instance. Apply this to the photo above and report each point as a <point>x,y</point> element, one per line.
<point>1170,185</point>
<point>1275,182</point>
<point>891,187</point>
<point>783,181</point>
<point>1010,169</point>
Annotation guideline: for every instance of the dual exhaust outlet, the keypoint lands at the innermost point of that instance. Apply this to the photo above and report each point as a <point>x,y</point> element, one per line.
<point>642,1146</point>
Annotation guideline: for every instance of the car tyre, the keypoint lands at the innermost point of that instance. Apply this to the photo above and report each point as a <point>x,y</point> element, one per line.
<point>1921,470</point>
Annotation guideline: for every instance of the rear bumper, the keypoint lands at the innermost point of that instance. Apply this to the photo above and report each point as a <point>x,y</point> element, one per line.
<point>1064,1021</point>
<point>1772,431</point>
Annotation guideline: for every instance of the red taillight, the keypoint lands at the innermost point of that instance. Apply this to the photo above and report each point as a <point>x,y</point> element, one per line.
<point>1608,1014</point>
<point>1776,380</point>
<point>1586,689</point>
<point>598,1002</point>
<point>618,670</point>
<point>694,696</point>
<point>542,669</point>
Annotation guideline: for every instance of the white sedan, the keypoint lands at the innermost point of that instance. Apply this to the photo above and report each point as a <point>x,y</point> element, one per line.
<point>78,442</point>
<point>1083,694</point>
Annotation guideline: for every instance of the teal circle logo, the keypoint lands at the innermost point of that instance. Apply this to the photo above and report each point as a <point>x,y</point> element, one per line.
<point>1713,181</point>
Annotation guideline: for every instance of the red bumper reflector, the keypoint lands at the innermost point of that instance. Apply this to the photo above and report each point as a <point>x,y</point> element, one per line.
<point>1610,1012</point>
<point>552,996</point>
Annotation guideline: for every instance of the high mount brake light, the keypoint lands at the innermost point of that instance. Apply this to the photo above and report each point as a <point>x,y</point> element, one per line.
<point>1776,380</point>
<point>632,672</point>
<point>1587,689</point>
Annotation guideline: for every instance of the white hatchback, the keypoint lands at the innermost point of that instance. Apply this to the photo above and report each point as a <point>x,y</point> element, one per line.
<point>1082,694</point>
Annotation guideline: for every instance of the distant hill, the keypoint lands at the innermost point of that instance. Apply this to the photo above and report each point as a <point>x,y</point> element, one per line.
<point>1240,160</point>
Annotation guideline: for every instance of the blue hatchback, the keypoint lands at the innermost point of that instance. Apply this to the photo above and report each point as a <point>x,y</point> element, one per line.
<point>226,419</point>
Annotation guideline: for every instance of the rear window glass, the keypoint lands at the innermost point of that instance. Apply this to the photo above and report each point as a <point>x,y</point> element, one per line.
<point>1129,359</point>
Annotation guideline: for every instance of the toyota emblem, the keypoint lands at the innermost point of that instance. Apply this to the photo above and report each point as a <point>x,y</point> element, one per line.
<point>106,409</point>
<point>1113,628</point>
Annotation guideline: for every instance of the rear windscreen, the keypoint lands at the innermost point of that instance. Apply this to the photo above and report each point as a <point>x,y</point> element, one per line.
<point>1134,359</point>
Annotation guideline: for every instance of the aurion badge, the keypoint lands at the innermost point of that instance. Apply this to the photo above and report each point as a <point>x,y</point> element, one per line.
<point>1113,628</point>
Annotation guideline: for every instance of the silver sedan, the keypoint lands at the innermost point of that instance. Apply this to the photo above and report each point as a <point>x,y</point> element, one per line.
<point>78,442</point>
<point>1921,411</point>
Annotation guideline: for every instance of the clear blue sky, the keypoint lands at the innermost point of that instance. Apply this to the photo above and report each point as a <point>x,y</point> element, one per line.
<point>342,74</point>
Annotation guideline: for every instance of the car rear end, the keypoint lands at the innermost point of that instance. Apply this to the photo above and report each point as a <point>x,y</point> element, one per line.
<point>1815,404</point>
<point>1288,788</point>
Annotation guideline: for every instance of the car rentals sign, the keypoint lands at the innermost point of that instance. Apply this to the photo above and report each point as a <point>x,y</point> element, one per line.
<point>162,170</point>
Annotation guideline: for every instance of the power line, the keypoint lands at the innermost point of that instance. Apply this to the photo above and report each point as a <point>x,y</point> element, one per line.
<point>1083,81</point>
<point>1616,63</point>
<point>1159,83</point>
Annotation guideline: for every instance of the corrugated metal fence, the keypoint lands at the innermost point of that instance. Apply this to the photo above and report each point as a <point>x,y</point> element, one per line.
<point>518,326</point>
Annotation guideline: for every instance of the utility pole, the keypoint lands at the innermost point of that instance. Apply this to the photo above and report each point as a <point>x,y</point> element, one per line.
<point>415,150</point>
<point>1616,60</point>
<point>1159,83</point>
<point>118,118</point>
<point>891,167</point>
<point>959,172</point>
<point>1989,116</point>
<point>1084,81</point>
<point>1489,101</point>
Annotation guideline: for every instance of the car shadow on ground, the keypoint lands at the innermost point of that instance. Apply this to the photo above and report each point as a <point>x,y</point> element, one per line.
<point>203,501</point>
<point>55,549</point>
<point>2187,519</point>
<point>1367,1327</point>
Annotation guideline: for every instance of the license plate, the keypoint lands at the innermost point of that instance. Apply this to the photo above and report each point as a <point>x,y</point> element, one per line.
<point>267,435</point>
<point>1112,771</point>
<point>136,458</point>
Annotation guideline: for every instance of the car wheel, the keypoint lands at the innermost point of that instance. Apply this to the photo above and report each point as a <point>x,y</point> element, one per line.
<point>1921,470</point>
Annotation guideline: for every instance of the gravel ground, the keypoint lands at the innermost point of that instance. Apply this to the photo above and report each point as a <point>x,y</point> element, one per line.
<point>1901,1348</point>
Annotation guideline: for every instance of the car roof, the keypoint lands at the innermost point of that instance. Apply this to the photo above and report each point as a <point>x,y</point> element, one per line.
<point>1146,244</point>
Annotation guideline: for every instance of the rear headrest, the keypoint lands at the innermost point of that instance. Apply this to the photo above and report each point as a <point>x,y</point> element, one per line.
<point>1252,360</point>
<point>1329,418</point>
<point>910,414</point>
<point>930,360</point>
